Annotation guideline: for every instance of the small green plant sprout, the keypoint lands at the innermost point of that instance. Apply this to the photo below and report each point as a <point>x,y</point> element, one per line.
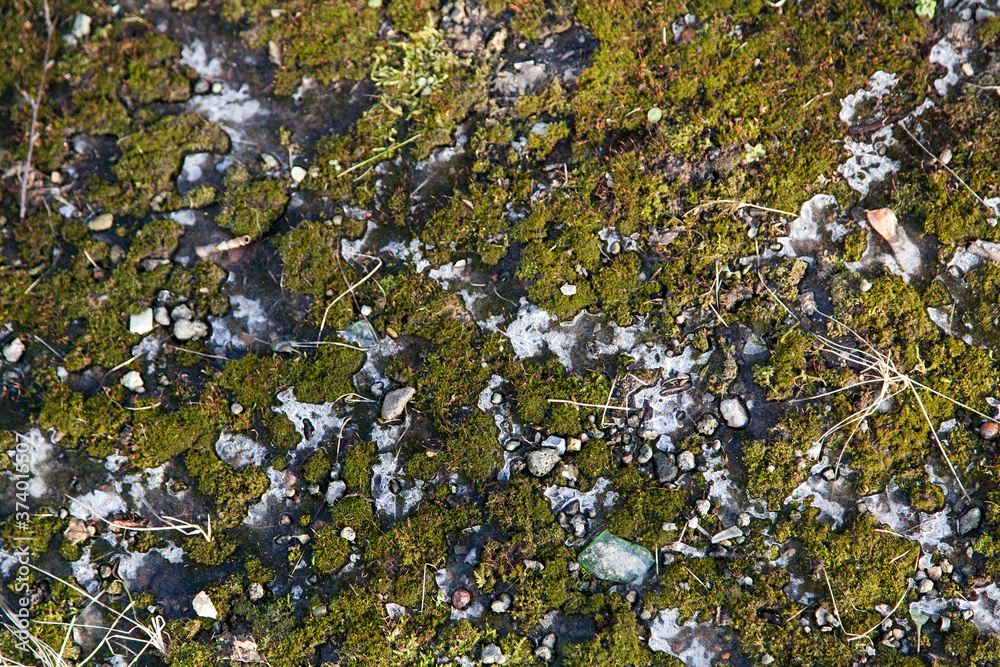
<point>406,72</point>
<point>172,523</point>
<point>753,153</point>
<point>875,368</point>
<point>926,8</point>
<point>125,633</point>
<point>654,115</point>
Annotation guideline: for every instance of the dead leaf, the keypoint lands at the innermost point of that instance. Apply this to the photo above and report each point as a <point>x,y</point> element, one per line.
<point>76,531</point>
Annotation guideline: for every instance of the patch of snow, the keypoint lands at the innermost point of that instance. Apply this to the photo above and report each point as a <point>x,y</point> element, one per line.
<point>185,217</point>
<point>195,56</point>
<point>823,493</point>
<point>85,572</point>
<point>230,109</point>
<point>930,530</point>
<point>97,503</point>
<point>239,451</point>
<point>259,513</point>
<point>869,162</point>
<point>808,230</point>
<point>251,311</point>
<point>324,422</point>
<point>507,428</point>
<point>692,643</point>
<point>878,87</point>
<point>598,496</point>
<point>194,166</point>
<point>944,54</point>
<point>386,438</point>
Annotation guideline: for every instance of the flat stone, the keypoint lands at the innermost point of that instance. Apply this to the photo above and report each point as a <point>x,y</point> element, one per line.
<point>556,443</point>
<point>666,469</point>
<point>970,521</point>
<point>501,604</point>
<point>492,655</point>
<point>142,323</point>
<point>190,329</point>
<point>728,534</point>
<point>542,461</point>
<point>395,402</point>
<point>734,413</point>
<point>613,559</point>
<point>573,444</point>
<point>568,290</point>
<point>101,223</point>
<point>335,491</point>
<point>13,350</point>
<point>202,605</point>
<point>133,382</point>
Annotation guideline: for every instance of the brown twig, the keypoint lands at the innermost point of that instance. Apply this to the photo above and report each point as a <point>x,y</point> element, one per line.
<point>46,64</point>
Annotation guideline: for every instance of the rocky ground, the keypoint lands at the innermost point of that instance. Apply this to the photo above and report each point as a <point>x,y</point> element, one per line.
<point>577,333</point>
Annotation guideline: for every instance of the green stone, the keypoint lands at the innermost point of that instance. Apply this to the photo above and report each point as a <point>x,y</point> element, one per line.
<point>613,559</point>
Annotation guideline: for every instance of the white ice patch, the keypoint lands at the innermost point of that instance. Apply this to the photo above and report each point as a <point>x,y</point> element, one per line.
<point>386,438</point>
<point>85,572</point>
<point>535,330</point>
<point>186,217</point>
<point>258,513</point>
<point>691,643</point>
<point>944,54</point>
<point>38,450</point>
<point>230,109</point>
<point>507,428</point>
<point>251,311</point>
<point>597,497</point>
<point>324,422</point>
<point>822,493</point>
<point>131,564</point>
<point>411,252</point>
<point>869,163</point>
<point>150,479</point>
<point>350,250</point>
<point>114,462</point>
<point>97,503</point>
<point>930,530</point>
<point>808,230</point>
<point>239,451</point>
<point>194,166</point>
<point>195,56</point>
<point>878,87</point>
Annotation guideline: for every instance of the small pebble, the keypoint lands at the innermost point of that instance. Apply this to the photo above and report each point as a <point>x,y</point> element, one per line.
<point>925,586</point>
<point>133,382</point>
<point>101,223</point>
<point>189,330</point>
<point>236,409</point>
<point>644,455</point>
<point>501,604</point>
<point>989,430</point>
<point>685,461</point>
<point>497,398</point>
<point>702,506</point>
<point>255,592</point>
<point>12,351</point>
<point>461,599</point>
<point>348,533</point>
<point>568,290</point>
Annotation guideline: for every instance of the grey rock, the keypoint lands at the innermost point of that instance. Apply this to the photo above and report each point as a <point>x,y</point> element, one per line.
<point>734,413</point>
<point>190,330</point>
<point>395,402</point>
<point>685,461</point>
<point>666,469</point>
<point>542,461</point>
<point>502,603</point>
<point>12,351</point>
<point>925,586</point>
<point>702,506</point>
<point>970,521</point>
<point>182,312</point>
<point>255,592</point>
<point>101,223</point>
<point>492,655</point>
<point>556,443</point>
<point>645,454</point>
<point>335,491</point>
<point>544,653</point>
<point>348,534</point>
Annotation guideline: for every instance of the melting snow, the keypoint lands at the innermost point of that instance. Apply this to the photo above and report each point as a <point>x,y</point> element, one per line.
<point>690,643</point>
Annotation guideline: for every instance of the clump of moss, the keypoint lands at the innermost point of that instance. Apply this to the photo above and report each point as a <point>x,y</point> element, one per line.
<point>250,205</point>
<point>316,467</point>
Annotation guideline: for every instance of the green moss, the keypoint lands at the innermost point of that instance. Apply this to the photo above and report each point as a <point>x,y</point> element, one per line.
<point>250,205</point>
<point>317,467</point>
<point>357,466</point>
<point>330,550</point>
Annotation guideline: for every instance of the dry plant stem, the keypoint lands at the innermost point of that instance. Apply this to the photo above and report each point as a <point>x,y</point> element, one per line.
<point>588,405</point>
<point>887,374</point>
<point>32,131</point>
<point>183,527</point>
<point>737,203</point>
<point>350,290</point>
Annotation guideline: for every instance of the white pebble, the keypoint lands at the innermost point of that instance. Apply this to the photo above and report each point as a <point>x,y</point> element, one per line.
<point>298,174</point>
<point>142,323</point>
<point>133,382</point>
<point>568,290</point>
<point>13,351</point>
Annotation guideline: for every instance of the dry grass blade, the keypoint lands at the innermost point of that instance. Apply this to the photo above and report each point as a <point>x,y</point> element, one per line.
<point>173,523</point>
<point>876,368</point>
